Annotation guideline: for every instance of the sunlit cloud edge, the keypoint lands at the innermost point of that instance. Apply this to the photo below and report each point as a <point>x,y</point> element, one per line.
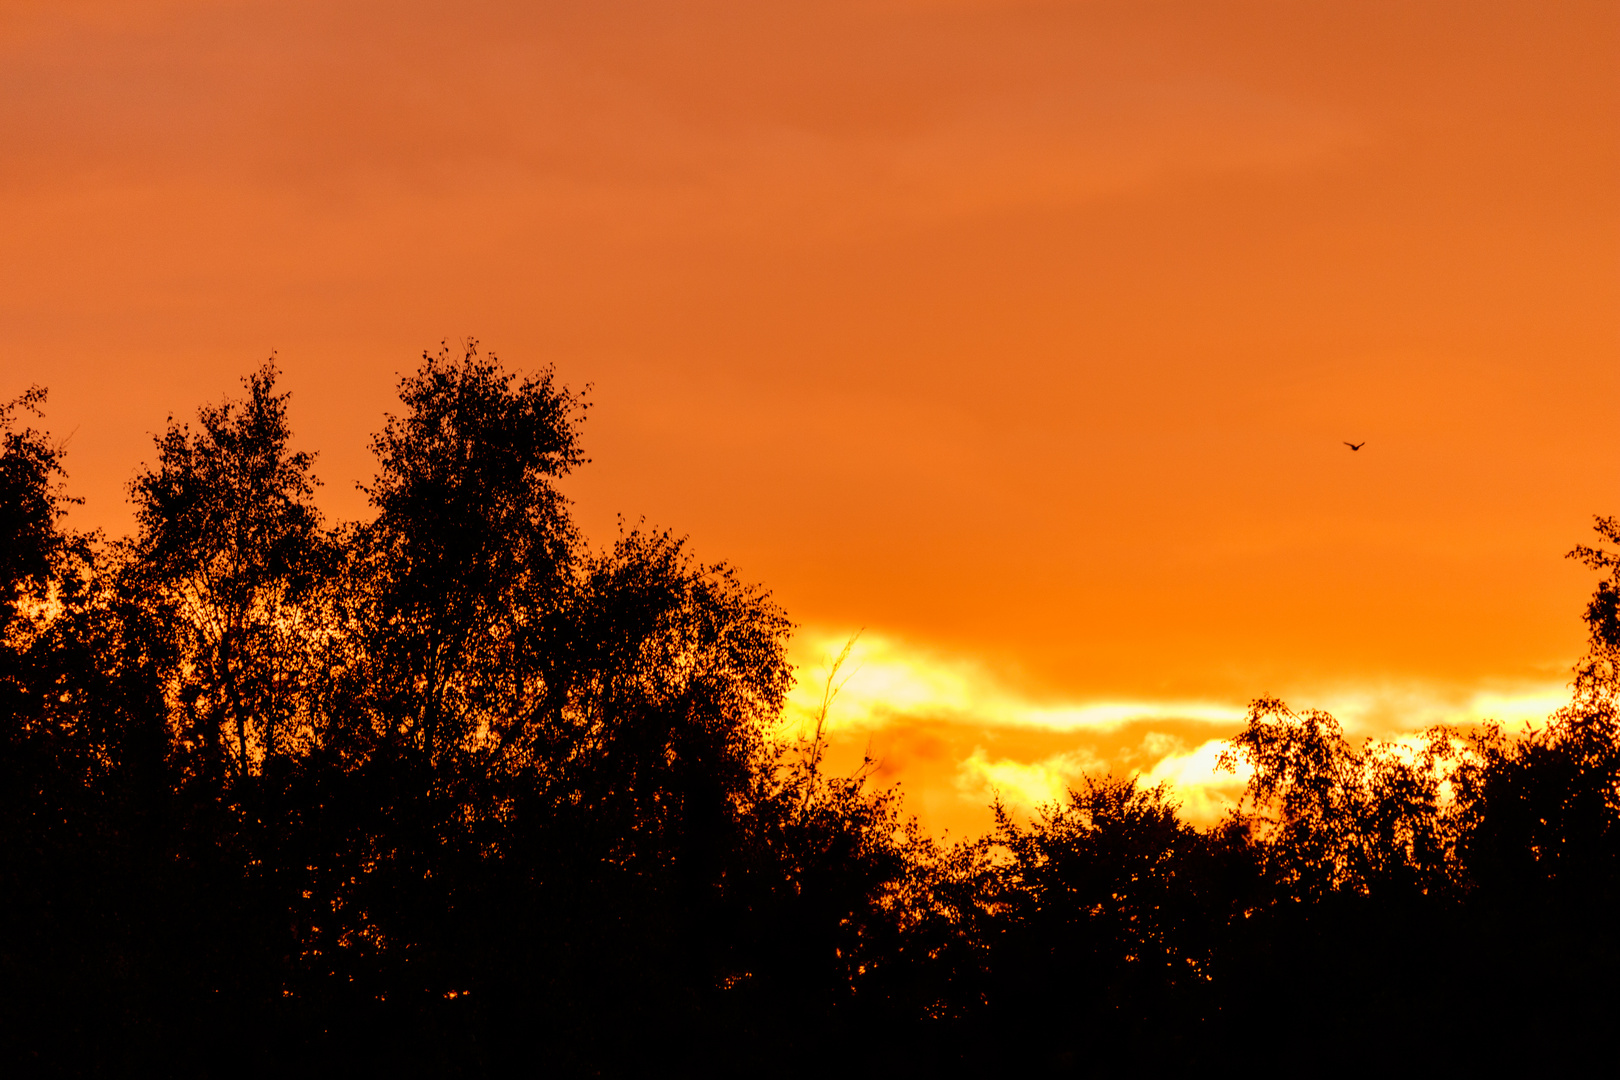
<point>887,681</point>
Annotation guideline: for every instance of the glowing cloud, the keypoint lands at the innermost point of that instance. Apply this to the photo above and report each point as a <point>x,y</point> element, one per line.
<point>1024,786</point>
<point>957,736</point>
<point>1206,793</point>
<point>885,679</point>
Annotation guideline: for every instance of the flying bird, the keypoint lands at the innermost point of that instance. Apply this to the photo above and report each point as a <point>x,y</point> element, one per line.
<point>1356,445</point>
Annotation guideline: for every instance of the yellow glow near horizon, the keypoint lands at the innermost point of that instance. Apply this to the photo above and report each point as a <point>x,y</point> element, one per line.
<point>885,677</point>
<point>957,736</point>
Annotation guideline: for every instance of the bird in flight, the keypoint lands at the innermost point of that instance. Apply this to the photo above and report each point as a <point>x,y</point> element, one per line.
<point>1356,445</point>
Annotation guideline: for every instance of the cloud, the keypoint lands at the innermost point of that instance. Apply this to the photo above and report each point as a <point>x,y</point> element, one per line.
<point>957,735</point>
<point>886,678</point>
<point>1205,792</point>
<point>673,120</point>
<point>1023,786</point>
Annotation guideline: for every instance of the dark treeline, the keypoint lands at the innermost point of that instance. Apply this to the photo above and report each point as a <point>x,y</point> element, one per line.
<point>451,792</point>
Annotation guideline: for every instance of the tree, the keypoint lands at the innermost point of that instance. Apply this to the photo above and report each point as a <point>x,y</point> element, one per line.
<point>31,506</point>
<point>1546,806</point>
<point>1334,817</point>
<point>1597,675</point>
<point>1112,920</point>
<point>470,553</point>
<point>230,548</point>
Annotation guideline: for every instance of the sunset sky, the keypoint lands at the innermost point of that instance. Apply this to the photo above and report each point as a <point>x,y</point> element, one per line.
<point>1025,336</point>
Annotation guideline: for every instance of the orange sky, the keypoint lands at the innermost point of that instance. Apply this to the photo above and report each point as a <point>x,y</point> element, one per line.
<point>1023,334</point>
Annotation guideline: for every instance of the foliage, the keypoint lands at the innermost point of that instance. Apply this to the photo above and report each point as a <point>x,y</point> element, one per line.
<point>31,503</point>
<point>1332,817</point>
<point>229,553</point>
<point>447,791</point>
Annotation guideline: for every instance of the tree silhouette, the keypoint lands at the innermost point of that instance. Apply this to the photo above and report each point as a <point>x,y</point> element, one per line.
<point>230,551</point>
<point>449,791</point>
<point>468,557</point>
